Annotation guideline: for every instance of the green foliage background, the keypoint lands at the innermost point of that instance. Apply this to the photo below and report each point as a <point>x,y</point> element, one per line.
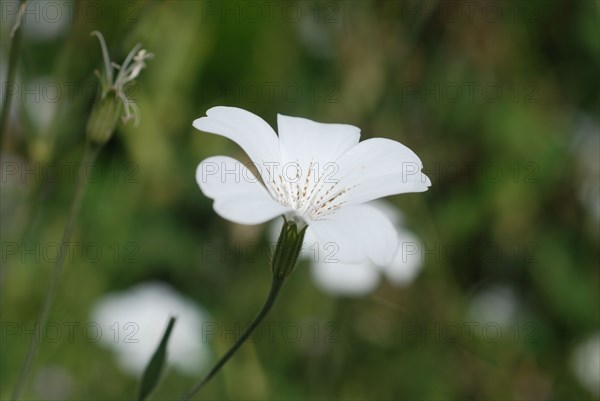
<point>508,169</point>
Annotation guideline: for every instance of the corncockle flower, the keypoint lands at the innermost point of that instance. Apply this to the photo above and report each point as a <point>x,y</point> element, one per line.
<point>314,174</point>
<point>319,177</point>
<point>107,109</point>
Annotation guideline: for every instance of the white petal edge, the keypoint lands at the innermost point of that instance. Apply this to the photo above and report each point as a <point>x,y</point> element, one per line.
<point>238,195</point>
<point>355,234</point>
<point>248,130</point>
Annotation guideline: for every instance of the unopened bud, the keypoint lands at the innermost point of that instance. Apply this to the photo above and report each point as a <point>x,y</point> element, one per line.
<point>114,102</point>
<point>104,118</point>
<point>287,249</point>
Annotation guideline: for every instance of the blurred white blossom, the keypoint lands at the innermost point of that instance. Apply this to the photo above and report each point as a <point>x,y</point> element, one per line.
<point>134,321</point>
<point>586,145</point>
<point>494,304</point>
<point>53,383</point>
<point>585,361</point>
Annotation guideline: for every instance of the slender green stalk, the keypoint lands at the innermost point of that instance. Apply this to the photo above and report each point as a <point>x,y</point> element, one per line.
<point>13,57</point>
<point>275,287</point>
<point>283,263</point>
<point>91,151</point>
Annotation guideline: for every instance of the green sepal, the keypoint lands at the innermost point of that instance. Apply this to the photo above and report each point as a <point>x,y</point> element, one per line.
<point>104,118</point>
<point>287,249</point>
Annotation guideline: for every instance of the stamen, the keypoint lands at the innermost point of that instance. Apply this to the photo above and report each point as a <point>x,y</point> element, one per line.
<point>312,201</point>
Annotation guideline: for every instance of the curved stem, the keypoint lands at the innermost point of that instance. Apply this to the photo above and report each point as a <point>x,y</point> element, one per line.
<point>89,156</point>
<point>275,287</point>
<point>15,39</point>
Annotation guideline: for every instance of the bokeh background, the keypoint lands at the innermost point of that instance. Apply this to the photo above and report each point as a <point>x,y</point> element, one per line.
<point>500,101</point>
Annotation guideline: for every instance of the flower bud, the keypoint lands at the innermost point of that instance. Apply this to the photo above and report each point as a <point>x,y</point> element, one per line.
<point>114,102</point>
<point>104,118</point>
<point>287,249</point>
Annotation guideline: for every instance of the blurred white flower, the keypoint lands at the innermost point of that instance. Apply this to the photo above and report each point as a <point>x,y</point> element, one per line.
<point>585,361</point>
<point>134,321</point>
<point>586,146</point>
<point>313,173</point>
<point>346,278</point>
<point>494,304</point>
<point>41,20</point>
<point>47,20</point>
<point>42,110</point>
<point>359,279</point>
<point>53,382</point>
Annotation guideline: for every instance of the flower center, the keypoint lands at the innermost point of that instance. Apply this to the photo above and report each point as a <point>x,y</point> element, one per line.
<point>313,195</point>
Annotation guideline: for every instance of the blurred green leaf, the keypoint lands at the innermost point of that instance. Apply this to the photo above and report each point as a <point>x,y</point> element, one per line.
<point>153,370</point>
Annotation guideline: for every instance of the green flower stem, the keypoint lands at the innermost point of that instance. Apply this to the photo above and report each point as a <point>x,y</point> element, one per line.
<point>275,287</point>
<point>284,260</point>
<point>91,151</point>
<point>13,57</point>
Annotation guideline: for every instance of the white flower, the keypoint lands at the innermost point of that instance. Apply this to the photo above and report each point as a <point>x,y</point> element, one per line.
<point>585,361</point>
<point>496,303</point>
<point>314,173</point>
<point>133,322</point>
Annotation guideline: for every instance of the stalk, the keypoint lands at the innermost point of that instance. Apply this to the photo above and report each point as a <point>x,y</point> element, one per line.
<point>283,262</point>
<point>13,57</point>
<point>91,151</point>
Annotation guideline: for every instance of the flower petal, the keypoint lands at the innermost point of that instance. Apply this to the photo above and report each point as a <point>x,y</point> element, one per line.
<point>408,260</point>
<point>356,233</point>
<point>251,132</point>
<point>313,146</point>
<point>239,196</point>
<point>305,139</point>
<point>379,167</point>
<point>345,278</point>
<point>389,210</point>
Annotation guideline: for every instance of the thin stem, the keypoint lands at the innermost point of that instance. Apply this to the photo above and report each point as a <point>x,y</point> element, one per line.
<point>275,287</point>
<point>89,156</point>
<point>15,44</point>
